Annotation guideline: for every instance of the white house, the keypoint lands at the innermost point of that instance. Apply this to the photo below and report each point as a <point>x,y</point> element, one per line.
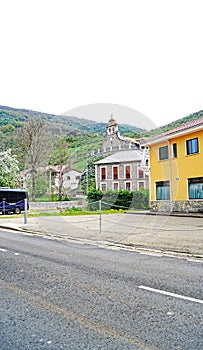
<point>71,178</point>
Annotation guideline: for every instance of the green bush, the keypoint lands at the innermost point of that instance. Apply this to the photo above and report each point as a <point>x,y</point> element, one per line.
<point>140,199</point>
<point>124,200</point>
<point>93,198</point>
<point>108,199</point>
<point>118,200</point>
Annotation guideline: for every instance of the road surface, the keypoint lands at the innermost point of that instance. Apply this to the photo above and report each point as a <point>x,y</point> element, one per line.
<point>58,294</point>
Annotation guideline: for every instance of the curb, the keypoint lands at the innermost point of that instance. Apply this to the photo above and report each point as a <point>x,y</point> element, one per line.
<point>129,247</point>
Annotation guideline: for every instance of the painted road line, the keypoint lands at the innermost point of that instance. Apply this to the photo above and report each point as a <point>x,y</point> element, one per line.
<point>171,294</point>
<point>152,254</point>
<point>27,234</point>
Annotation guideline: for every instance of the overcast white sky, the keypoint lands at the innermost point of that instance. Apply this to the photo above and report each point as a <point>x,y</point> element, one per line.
<point>146,55</point>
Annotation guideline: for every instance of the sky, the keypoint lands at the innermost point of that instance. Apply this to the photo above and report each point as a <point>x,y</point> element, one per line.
<point>146,55</point>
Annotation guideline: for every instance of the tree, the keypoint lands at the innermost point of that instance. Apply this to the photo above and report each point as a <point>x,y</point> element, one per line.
<point>34,142</point>
<point>63,156</point>
<point>87,181</point>
<point>42,183</point>
<point>9,169</point>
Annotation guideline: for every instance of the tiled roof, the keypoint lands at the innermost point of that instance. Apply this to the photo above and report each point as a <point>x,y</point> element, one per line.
<point>122,156</point>
<point>183,127</point>
<point>186,126</point>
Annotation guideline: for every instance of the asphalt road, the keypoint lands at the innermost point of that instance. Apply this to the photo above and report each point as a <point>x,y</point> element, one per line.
<point>59,294</point>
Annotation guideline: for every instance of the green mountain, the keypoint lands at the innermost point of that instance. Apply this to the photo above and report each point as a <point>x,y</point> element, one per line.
<point>11,118</point>
<point>174,124</point>
<point>82,135</point>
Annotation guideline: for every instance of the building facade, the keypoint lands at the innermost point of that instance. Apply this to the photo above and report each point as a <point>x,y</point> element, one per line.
<point>114,141</point>
<point>176,169</point>
<point>71,178</point>
<point>121,171</point>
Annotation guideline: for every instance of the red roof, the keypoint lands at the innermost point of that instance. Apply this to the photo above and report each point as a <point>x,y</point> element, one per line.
<point>183,127</point>
<point>186,126</point>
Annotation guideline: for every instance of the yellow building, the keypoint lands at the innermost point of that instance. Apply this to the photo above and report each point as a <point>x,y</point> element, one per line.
<point>176,169</point>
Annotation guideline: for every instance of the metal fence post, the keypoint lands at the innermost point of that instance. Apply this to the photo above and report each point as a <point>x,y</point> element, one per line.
<point>25,211</point>
<point>100,219</point>
<point>4,206</point>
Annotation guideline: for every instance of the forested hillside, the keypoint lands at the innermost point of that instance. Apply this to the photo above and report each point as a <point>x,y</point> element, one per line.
<point>81,136</point>
<point>13,118</point>
<point>175,124</point>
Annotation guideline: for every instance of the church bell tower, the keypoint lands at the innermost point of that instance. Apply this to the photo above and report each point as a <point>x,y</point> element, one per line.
<point>112,126</point>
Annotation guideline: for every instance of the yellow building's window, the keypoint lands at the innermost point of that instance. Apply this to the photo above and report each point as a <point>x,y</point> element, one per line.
<point>195,187</point>
<point>174,150</point>
<point>192,146</point>
<point>163,153</point>
<point>163,190</point>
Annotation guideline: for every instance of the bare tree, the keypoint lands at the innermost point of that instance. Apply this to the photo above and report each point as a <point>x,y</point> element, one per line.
<point>35,144</point>
<point>64,157</point>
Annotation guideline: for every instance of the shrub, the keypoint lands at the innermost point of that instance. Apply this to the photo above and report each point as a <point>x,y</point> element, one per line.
<point>118,200</point>
<point>140,199</point>
<point>124,200</point>
<point>93,198</point>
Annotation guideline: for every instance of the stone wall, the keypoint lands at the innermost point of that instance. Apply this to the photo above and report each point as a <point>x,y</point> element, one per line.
<point>194,206</point>
<point>80,203</point>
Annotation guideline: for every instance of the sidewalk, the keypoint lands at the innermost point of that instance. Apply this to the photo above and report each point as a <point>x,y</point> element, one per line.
<point>167,234</point>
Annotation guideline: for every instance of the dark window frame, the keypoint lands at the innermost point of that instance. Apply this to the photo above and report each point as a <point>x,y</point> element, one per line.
<point>128,186</point>
<point>192,146</point>
<point>163,153</point>
<point>162,195</point>
<point>115,172</point>
<point>103,173</point>
<point>195,188</point>
<point>115,186</point>
<point>140,173</point>
<point>174,150</point>
<point>103,187</point>
<point>128,172</point>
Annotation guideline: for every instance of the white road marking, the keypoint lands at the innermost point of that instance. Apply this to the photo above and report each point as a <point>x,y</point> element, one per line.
<point>5,250</point>
<point>195,260</point>
<point>171,294</point>
<point>111,247</point>
<point>152,254</point>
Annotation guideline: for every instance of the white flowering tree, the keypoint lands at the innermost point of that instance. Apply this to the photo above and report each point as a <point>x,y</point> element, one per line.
<point>9,169</point>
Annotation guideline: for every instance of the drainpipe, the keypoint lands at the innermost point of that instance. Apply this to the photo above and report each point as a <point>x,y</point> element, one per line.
<point>170,176</point>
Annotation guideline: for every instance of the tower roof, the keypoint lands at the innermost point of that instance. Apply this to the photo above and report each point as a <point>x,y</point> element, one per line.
<point>112,122</point>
